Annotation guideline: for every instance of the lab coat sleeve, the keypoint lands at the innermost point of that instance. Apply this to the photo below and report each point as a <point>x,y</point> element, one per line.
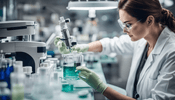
<point>121,45</point>
<point>165,87</point>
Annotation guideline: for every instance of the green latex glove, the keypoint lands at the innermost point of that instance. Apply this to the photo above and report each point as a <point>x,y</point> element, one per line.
<point>92,79</point>
<point>57,39</point>
<point>61,45</point>
<point>81,48</point>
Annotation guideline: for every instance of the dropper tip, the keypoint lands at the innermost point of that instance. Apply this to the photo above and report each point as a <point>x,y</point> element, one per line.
<point>70,50</point>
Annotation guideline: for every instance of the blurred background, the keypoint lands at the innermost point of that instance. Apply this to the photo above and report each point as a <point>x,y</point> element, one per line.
<point>46,14</point>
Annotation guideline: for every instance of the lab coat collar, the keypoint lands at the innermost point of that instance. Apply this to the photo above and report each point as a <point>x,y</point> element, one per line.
<point>161,41</point>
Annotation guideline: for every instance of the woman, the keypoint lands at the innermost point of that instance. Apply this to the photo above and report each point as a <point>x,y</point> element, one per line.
<point>151,40</point>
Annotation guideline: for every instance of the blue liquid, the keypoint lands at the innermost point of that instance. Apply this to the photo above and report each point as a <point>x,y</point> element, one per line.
<point>69,72</point>
<point>67,87</point>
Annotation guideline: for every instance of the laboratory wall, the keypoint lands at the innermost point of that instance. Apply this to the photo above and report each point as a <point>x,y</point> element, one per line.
<point>46,14</point>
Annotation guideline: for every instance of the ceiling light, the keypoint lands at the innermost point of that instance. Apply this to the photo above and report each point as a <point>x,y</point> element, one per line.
<point>88,5</point>
<point>166,3</point>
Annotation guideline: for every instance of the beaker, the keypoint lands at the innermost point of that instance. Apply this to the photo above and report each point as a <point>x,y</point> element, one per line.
<point>68,67</point>
<point>71,61</point>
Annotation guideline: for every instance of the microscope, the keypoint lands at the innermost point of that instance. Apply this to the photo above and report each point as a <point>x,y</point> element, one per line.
<point>65,32</point>
<point>28,51</point>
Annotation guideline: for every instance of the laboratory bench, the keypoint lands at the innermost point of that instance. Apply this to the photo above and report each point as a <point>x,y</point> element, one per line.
<point>80,85</point>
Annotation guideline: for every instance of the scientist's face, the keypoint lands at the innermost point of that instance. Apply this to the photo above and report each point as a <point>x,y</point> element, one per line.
<point>133,27</point>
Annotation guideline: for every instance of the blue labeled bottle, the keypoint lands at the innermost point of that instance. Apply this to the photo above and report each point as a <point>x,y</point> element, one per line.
<point>8,71</point>
<point>2,70</point>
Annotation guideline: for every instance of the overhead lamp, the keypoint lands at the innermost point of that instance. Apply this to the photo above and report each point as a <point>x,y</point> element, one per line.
<point>166,3</point>
<point>89,5</point>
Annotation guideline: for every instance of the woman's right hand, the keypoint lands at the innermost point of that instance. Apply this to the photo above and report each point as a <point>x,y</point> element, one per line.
<point>61,45</point>
<point>81,48</point>
<point>63,49</point>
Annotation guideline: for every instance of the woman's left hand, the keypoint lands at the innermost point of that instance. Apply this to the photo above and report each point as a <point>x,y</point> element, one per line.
<point>92,79</point>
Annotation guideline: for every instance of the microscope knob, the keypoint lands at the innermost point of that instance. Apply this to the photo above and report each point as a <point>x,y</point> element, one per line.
<point>67,20</point>
<point>74,43</point>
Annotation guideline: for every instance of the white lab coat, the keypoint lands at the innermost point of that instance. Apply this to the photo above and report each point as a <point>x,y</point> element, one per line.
<point>157,79</point>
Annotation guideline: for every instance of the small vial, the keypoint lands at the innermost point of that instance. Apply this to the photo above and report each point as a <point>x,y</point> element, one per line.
<point>55,60</point>
<point>56,86</point>
<point>67,87</point>
<point>8,71</point>
<point>20,64</point>
<point>2,70</point>
<point>28,83</point>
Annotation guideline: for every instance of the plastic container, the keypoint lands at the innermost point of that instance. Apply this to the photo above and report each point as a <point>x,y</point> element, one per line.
<point>67,87</point>
<point>28,82</point>
<point>56,85</point>
<point>42,89</point>
<point>4,92</point>
<point>17,83</point>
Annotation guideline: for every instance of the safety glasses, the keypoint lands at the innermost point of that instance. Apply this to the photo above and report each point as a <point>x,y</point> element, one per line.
<point>126,25</point>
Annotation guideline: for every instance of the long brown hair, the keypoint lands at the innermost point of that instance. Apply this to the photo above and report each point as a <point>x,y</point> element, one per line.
<point>141,9</point>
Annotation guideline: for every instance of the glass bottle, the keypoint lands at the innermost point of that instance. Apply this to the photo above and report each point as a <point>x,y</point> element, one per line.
<point>28,83</point>
<point>56,86</point>
<point>4,92</point>
<point>17,83</point>
<point>3,70</point>
<point>42,90</point>
<point>8,71</point>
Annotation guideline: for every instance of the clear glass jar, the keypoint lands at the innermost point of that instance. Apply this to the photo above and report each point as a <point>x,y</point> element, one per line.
<point>71,61</point>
